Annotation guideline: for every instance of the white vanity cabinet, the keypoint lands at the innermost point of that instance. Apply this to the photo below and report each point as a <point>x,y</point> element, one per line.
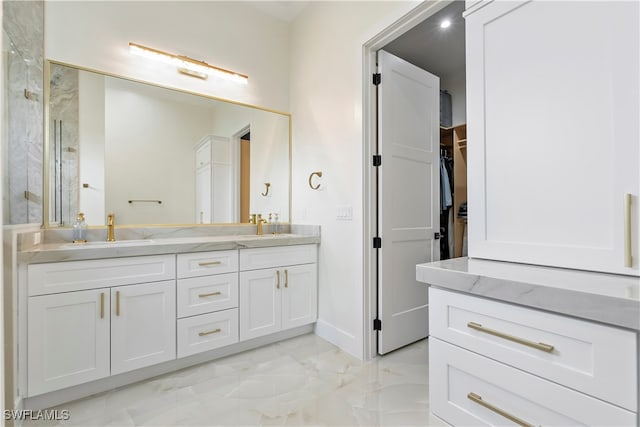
<point>278,289</point>
<point>553,133</point>
<point>207,291</point>
<point>91,319</point>
<point>491,363</point>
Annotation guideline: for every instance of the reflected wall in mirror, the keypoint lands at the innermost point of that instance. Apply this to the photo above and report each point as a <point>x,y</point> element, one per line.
<point>153,155</point>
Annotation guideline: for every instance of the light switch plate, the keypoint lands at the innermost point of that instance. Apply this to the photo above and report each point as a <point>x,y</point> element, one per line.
<point>344,213</point>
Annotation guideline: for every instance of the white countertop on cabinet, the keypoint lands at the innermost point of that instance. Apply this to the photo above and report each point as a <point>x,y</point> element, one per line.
<point>607,298</point>
<point>164,241</point>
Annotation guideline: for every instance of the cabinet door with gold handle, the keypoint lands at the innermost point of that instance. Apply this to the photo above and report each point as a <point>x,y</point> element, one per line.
<point>143,330</point>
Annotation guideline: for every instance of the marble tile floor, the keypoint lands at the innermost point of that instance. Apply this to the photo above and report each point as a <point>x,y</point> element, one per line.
<point>303,381</point>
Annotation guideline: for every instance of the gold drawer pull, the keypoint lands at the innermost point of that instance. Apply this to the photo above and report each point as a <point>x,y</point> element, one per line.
<point>277,279</point>
<point>537,345</point>
<point>286,278</point>
<point>212,294</point>
<point>209,263</point>
<point>478,399</point>
<point>117,303</point>
<point>215,331</point>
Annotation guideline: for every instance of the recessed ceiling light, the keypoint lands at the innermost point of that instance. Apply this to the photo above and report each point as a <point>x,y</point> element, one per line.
<point>445,23</point>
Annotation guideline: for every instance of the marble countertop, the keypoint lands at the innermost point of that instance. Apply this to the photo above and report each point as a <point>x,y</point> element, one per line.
<point>607,298</point>
<point>156,244</point>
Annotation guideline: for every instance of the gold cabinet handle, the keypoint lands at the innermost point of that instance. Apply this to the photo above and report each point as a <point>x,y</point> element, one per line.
<point>117,303</point>
<point>537,345</point>
<point>286,278</point>
<point>628,259</point>
<point>277,279</point>
<point>212,294</point>
<point>102,305</point>
<point>209,263</point>
<point>215,331</point>
<point>478,399</point>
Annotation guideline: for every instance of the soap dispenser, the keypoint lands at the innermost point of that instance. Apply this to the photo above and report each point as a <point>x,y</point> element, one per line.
<point>80,229</point>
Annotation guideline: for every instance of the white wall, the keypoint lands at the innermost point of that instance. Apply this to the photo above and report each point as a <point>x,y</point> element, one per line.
<point>269,155</point>
<point>148,137</point>
<point>326,102</point>
<point>232,35</point>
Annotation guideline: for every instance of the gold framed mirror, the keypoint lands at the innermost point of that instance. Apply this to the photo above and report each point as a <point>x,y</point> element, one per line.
<point>157,155</point>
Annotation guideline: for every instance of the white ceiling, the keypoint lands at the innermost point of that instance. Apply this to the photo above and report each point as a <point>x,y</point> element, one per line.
<point>437,50</point>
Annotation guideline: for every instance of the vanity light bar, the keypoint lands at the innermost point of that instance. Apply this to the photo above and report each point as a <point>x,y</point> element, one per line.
<point>186,65</point>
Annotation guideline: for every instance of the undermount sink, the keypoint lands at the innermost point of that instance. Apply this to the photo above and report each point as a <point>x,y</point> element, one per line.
<point>116,244</point>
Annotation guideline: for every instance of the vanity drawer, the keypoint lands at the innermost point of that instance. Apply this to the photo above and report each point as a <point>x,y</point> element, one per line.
<point>595,359</point>
<point>277,256</point>
<point>207,332</point>
<point>92,274</point>
<point>205,263</point>
<point>199,295</point>
<point>458,376</point>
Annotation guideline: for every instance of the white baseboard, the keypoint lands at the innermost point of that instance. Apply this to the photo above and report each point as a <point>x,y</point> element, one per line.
<point>345,341</point>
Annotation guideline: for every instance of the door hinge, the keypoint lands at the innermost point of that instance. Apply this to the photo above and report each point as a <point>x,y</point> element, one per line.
<point>377,78</point>
<point>377,324</point>
<point>377,243</point>
<point>436,236</point>
<point>377,160</point>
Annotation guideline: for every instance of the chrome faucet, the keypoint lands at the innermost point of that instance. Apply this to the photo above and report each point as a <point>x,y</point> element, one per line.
<point>259,222</point>
<point>111,237</point>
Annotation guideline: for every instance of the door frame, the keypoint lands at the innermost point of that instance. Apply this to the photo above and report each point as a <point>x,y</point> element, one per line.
<point>235,145</point>
<point>370,138</point>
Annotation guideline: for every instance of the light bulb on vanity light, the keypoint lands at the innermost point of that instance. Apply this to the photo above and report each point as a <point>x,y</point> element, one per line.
<point>445,23</point>
<point>186,65</point>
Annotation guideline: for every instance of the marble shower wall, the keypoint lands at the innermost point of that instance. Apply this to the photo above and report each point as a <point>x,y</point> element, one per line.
<point>64,143</point>
<point>23,51</point>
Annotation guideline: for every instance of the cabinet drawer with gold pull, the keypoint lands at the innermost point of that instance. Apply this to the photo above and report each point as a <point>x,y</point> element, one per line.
<point>207,332</point>
<point>206,294</point>
<point>468,389</point>
<point>592,358</point>
<point>206,263</point>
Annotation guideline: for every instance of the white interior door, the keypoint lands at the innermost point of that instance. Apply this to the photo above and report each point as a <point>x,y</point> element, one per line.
<point>408,197</point>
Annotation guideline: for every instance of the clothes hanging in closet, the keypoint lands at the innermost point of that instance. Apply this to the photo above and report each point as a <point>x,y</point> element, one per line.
<point>446,195</point>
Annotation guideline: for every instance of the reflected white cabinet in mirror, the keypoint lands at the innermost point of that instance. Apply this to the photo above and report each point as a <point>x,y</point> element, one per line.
<point>132,148</point>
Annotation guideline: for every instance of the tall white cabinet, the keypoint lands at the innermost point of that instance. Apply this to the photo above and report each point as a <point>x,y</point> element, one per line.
<point>553,131</point>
